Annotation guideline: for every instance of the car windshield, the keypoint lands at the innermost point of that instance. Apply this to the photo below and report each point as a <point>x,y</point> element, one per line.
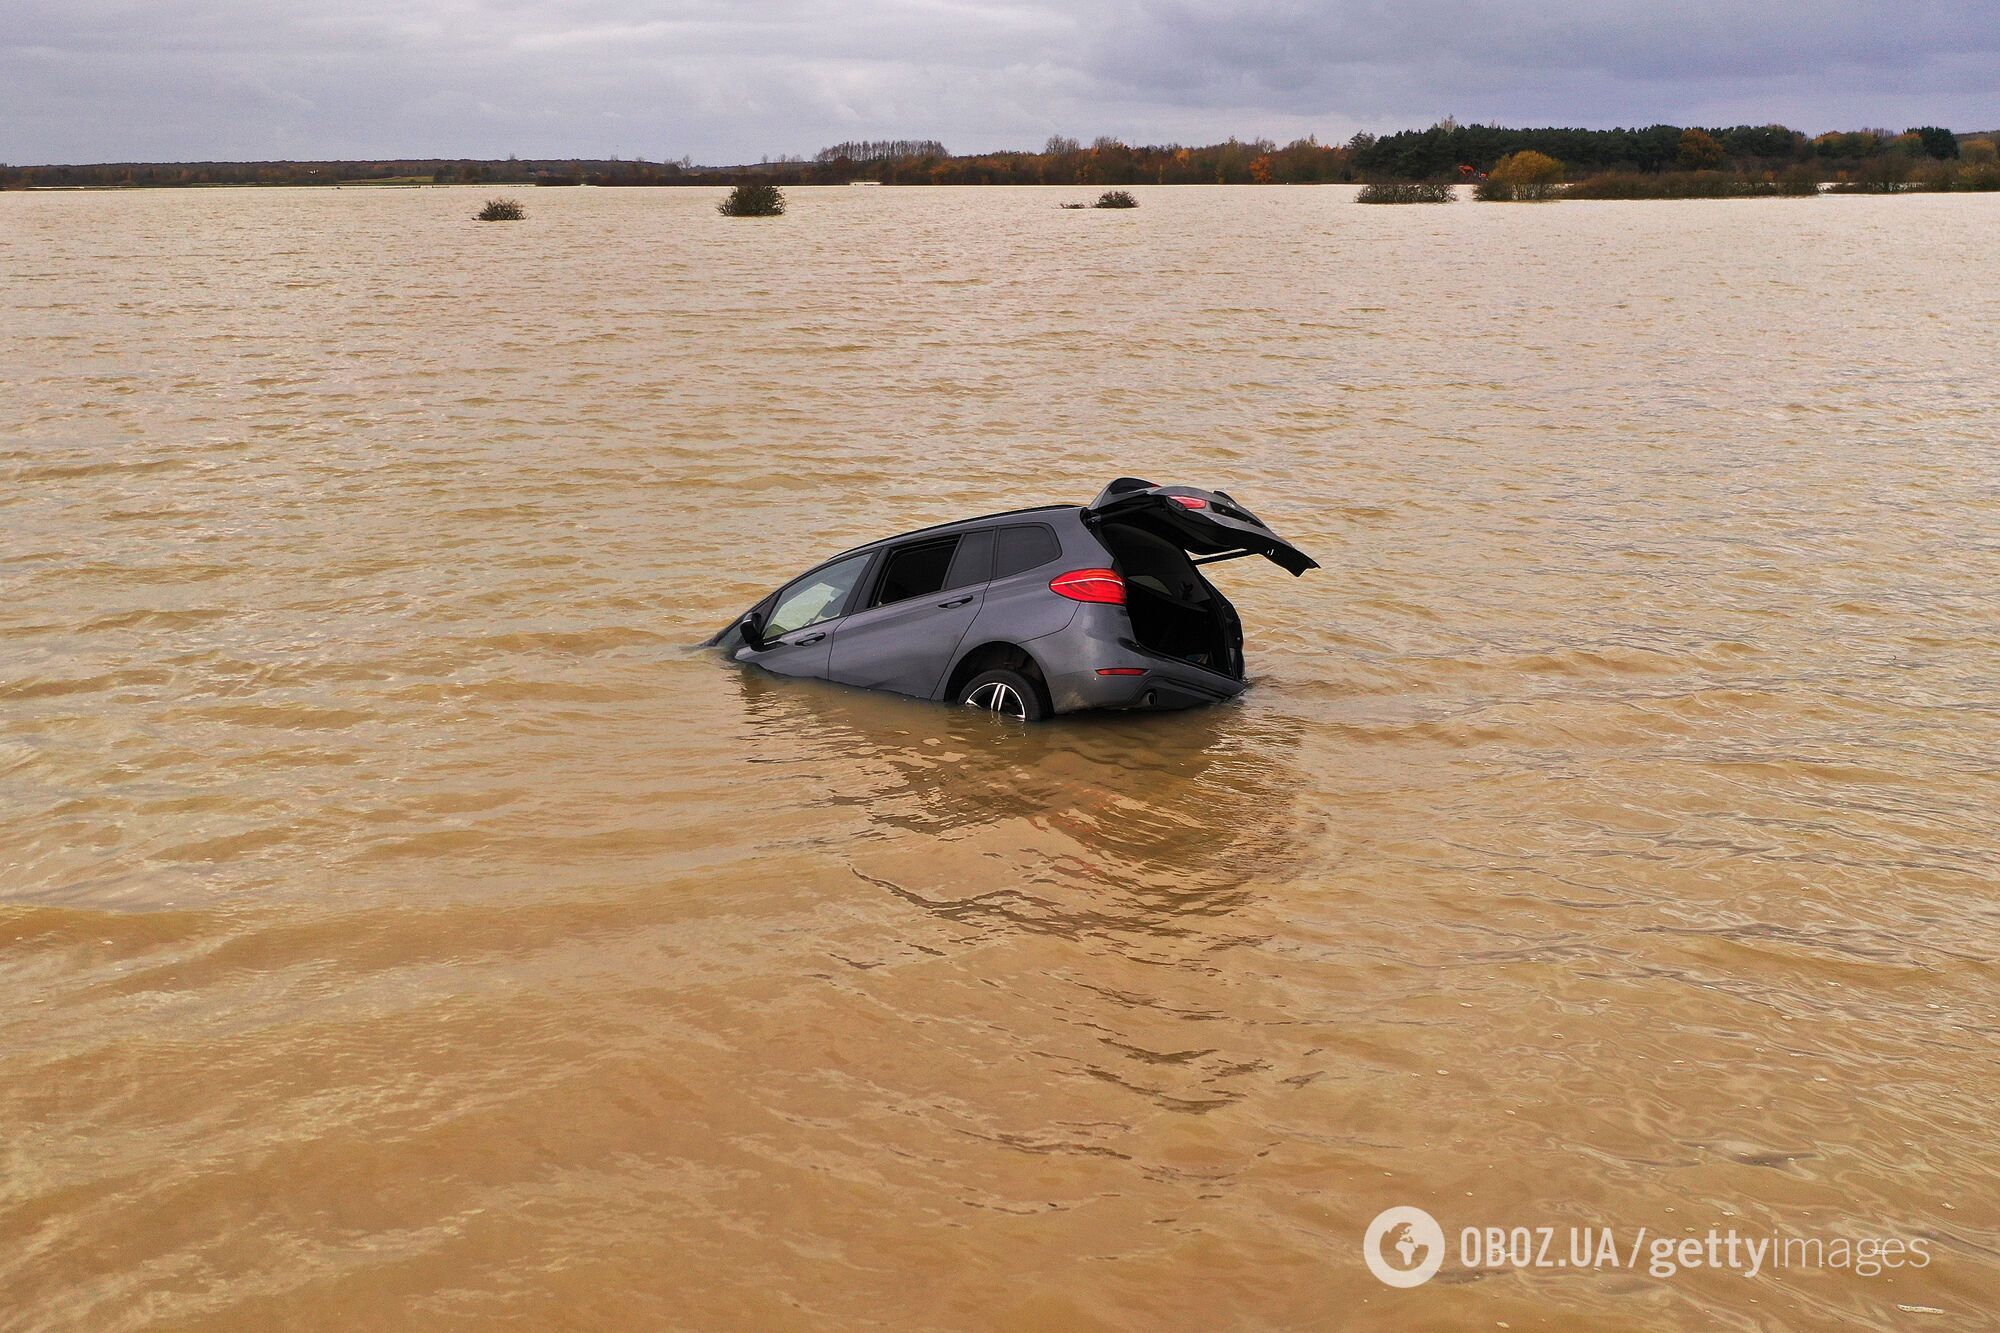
<point>818,596</point>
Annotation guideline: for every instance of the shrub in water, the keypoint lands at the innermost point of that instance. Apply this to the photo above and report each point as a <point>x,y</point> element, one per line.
<point>1529,175</point>
<point>1424,192</point>
<point>759,200</point>
<point>501,210</point>
<point>1116,199</point>
<point>1980,176</point>
<point>1797,182</point>
<point>1955,175</point>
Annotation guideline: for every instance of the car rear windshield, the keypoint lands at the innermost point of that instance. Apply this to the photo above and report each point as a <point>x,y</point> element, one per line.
<point>1152,562</point>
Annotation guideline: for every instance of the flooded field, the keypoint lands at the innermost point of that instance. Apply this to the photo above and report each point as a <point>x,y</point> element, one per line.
<point>403,925</point>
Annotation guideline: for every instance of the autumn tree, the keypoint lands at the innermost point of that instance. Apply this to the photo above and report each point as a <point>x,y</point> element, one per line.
<point>1526,175</point>
<point>1699,151</point>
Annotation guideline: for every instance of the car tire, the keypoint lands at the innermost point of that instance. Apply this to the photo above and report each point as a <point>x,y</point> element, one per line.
<point>1006,692</point>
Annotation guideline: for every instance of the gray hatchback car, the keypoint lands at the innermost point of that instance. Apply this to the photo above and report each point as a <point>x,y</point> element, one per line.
<point>1032,612</point>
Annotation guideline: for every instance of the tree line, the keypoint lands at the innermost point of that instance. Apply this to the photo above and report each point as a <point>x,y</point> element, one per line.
<point>1447,146</point>
<point>1445,151</point>
<point>880,150</point>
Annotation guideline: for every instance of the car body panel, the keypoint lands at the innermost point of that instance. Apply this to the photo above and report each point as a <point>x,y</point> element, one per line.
<point>905,647</point>
<point>803,652</point>
<point>1022,608</point>
<point>1100,637</point>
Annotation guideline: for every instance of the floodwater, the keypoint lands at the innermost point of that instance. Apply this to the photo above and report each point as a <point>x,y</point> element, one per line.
<point>402,924</point>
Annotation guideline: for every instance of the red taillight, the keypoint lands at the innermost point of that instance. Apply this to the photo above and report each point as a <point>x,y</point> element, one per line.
<point>1121,671</point>
<point>1189,501</point>
<point>1090,585</point>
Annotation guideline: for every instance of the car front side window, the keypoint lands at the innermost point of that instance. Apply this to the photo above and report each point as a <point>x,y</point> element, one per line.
<point>818,596</point>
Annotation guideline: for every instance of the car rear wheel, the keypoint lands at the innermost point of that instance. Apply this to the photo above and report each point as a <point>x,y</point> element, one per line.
<point>1006,692</point>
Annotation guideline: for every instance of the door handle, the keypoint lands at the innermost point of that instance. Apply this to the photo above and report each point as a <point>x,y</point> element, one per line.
<point>810,638</point>
<point>956,601</point>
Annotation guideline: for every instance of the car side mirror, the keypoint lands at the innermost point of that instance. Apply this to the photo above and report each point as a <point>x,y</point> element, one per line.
<point>751,627</point>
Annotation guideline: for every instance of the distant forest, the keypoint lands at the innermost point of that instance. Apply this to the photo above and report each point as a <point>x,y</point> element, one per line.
<point>1446,150</point>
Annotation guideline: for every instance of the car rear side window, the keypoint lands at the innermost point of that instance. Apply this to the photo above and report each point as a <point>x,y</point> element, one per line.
<point>915,571</point>
<point>1024,547</point>
<point>974,561</point>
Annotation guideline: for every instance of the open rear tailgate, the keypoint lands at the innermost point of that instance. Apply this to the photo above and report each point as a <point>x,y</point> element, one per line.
<point>1200,522</point>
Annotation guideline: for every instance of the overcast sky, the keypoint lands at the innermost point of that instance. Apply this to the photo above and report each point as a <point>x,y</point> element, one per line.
<point>152,80</point>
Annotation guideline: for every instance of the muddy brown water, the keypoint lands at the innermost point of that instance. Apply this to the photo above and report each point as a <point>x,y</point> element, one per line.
<point>403,925</point>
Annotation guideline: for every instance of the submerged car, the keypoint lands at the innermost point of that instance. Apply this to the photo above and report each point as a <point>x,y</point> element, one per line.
<point>1031,612</point>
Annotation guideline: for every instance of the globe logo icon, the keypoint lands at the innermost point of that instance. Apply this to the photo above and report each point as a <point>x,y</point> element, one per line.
<point>1403,1246</point>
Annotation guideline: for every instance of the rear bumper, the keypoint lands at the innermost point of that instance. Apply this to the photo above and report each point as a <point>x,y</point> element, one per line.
<point>1167,690</point>
<point>1100,637</point>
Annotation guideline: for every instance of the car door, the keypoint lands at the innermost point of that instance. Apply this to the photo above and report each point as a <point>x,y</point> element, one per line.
<point>920,602</point>
<point>799,629</point>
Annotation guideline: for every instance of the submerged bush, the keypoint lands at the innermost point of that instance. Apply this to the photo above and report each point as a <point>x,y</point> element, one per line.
<point>1797,182</point>
<point>757,200</point>
<point>1979,176</point>
<point>1977,168</point>
<point>1424,192</point>
<point>1876,175</point>
<point>1956,175</point>
<point>1116,199</point>
<point>501,210</point>
<point>1526,176</point>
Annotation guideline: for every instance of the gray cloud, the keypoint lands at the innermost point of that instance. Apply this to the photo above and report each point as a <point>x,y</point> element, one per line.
<point>92,80</point>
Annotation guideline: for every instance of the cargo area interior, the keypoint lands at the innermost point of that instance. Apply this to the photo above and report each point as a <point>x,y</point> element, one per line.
<point>1173,610</point>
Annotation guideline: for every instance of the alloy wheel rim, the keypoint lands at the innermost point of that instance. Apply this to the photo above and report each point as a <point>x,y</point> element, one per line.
<point>998,697</point>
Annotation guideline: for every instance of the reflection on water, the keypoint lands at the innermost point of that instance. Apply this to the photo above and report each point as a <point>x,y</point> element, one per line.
<point>1091,824</point>
<point>400,921</point>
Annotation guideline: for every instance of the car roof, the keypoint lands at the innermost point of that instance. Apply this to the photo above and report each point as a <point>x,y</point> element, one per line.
<point>940,527</point>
